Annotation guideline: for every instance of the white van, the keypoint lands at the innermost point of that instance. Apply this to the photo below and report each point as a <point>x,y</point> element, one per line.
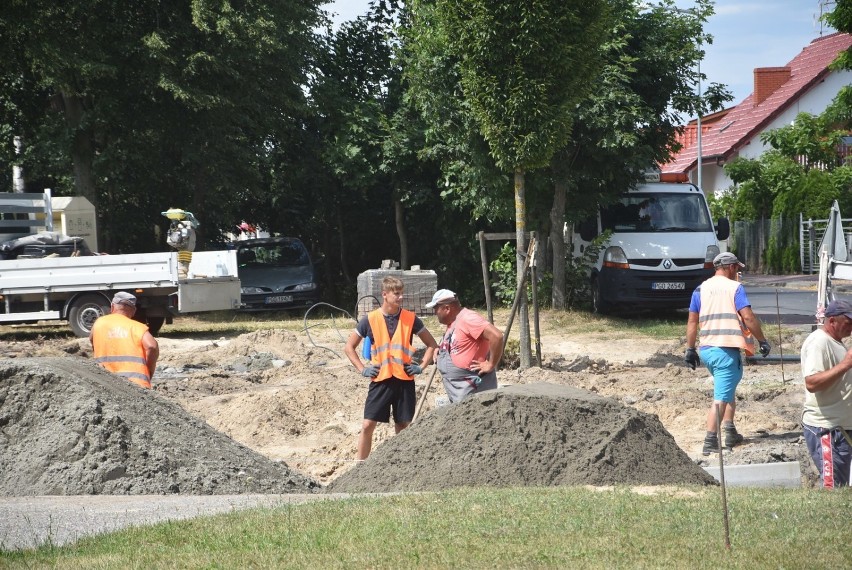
<point>662,247</point>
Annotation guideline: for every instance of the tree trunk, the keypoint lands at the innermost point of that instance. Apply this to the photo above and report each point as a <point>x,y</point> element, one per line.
<point>399,218</point>
<point>82,149</point>
<point>557,242</point>
<point>344,268</point>
<point>525,349</point>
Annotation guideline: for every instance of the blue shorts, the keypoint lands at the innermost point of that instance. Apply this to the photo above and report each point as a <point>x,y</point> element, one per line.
<point>726,366</point>
<point>832,455</point>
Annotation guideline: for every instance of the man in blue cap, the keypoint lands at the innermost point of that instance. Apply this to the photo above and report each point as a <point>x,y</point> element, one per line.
<point>827,416</point>
<point>721,309</point>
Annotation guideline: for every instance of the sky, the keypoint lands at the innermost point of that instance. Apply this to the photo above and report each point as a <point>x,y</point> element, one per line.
<point>746,34</point>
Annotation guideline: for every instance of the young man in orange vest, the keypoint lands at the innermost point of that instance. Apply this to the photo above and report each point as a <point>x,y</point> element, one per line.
<point>124,346</point>
<point>727,323</point>
<point>391,370</point>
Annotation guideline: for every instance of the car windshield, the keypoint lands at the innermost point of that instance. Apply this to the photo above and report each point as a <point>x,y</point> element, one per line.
<point>283,254</point>
<point>657,212</point>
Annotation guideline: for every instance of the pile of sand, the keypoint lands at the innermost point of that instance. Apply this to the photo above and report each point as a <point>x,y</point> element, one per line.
<point>68,427</point>
<point>526,435</point>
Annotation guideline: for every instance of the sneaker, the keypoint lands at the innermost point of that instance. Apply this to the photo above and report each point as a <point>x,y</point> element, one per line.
<point>732,436</point>
<point>711,444</point>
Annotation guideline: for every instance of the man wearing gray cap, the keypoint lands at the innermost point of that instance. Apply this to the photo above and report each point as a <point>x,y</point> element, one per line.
<point>123,346</point>
<point>470,349</point>
<point>827,416</point>
<point>721,309</point>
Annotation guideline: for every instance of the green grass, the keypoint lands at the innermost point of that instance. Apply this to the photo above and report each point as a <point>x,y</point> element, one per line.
<point>563,527</point>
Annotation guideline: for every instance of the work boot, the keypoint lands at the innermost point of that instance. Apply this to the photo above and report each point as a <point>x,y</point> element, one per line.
<point>732,436</point>
<point>711,444</point>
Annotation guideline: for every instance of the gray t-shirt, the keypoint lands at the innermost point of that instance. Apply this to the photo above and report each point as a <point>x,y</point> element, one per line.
<point>833,407</point>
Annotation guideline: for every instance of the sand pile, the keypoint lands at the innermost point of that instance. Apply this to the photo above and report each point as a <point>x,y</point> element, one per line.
<point>526,435</point>
<point>67,427</point>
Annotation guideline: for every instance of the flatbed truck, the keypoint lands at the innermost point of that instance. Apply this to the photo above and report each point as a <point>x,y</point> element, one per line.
<point>79,289</point>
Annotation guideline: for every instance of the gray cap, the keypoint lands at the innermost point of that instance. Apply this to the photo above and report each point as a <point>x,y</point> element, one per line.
<point>124,298</point>
<point>441,296</point>
<point>726,258</point>
<point>839,307</point>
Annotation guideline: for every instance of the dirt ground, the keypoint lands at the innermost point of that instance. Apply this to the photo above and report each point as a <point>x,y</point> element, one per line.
<point>293,397</point>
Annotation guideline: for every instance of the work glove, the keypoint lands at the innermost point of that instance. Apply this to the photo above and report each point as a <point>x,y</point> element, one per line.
<point>691,358</point>
<point>412,369</point>
<point>764,348</point>
<point>370,371</point>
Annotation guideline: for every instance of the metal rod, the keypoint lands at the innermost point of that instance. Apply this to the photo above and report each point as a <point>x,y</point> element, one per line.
<point>780,339</point>
<point>722,477</point>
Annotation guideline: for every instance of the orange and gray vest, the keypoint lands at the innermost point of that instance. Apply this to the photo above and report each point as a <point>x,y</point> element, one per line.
<point>719,321</point>
<point>391,354</point>
<point>117,341</point>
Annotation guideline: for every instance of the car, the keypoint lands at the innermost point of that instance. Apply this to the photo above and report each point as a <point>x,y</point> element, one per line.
<point>276,273</point>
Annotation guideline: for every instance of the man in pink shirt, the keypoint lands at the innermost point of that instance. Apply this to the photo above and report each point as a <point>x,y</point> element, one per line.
<point>470,349</point>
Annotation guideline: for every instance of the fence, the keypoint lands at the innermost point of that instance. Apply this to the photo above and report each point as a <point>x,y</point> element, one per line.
<point>779,245</point>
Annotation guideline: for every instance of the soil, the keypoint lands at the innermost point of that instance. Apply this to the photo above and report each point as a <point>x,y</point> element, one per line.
<point>278,411</point>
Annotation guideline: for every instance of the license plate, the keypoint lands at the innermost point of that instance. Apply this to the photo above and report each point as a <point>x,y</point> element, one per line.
<point>668,285</point>
<point>277,299</point>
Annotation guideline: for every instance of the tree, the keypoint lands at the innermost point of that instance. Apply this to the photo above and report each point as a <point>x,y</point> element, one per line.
<point>523,66</point>
<point>160,104</point>
<point>630,121</point>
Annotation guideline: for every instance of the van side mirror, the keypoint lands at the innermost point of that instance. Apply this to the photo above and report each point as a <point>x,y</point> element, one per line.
<point>588,229</point>
<point>723,229</point>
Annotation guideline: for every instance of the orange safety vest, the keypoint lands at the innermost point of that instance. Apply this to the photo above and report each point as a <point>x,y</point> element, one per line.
<point>720,323</point>
<point>117,341</point>
<point>391,354</point>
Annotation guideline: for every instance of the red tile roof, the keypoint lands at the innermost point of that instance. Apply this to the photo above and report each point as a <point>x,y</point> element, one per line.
<point>746,120</point>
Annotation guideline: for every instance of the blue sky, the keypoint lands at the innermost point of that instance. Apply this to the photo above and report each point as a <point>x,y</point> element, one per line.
<point>746,34</point>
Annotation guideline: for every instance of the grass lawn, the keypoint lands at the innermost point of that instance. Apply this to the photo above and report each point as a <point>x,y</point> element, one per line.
<point>561,527</point>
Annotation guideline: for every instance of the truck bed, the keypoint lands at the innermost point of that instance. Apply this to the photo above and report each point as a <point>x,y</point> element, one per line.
<point>110,272</point>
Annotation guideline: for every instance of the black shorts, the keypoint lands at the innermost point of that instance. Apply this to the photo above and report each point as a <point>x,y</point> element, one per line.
<point>391,393</point>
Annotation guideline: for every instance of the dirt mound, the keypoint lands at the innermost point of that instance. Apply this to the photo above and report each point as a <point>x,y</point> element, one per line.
<point>526,435</point>
<point>68,427</point>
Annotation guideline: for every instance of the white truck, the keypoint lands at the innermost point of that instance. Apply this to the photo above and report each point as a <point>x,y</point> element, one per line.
<point>79,289</point>
<point>661,247</point>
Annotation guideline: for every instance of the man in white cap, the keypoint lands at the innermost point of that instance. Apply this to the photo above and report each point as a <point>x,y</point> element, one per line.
<point>722,310</point>
<point>123,346</point>
<point>470,349</point>
<point>827,416</point>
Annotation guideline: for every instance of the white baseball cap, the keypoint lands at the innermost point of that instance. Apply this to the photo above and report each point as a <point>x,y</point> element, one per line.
<point>441,295</point>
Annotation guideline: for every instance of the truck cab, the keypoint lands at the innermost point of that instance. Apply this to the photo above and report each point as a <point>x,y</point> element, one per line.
<point>661,247</point>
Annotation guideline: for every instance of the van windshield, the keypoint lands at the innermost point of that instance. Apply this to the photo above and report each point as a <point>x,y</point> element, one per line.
<point>283,254</point>
<point>657,212</point>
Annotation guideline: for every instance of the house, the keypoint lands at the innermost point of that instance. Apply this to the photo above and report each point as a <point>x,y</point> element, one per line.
<point>805,84</point>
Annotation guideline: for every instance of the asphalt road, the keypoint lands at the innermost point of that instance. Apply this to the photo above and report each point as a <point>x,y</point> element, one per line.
<point>28,522</point>
<point>794,306</point>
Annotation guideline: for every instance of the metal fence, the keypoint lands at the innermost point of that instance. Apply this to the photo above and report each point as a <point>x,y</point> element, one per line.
<point>779,245</point>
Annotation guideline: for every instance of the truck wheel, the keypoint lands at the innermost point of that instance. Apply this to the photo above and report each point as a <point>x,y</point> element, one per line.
<point>84,311</point>
<point>155,324</point>
<point>599,306</point>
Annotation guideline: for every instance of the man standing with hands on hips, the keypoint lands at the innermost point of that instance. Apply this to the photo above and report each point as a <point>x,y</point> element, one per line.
<point>721,309</point>
<point>470,349</point>
<point>827,416</point>
<point>390,369</point>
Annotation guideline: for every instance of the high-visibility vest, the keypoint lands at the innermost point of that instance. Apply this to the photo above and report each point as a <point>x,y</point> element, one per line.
<point>719,321</point>
<point>391,354</point>
<point>117,341</point>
